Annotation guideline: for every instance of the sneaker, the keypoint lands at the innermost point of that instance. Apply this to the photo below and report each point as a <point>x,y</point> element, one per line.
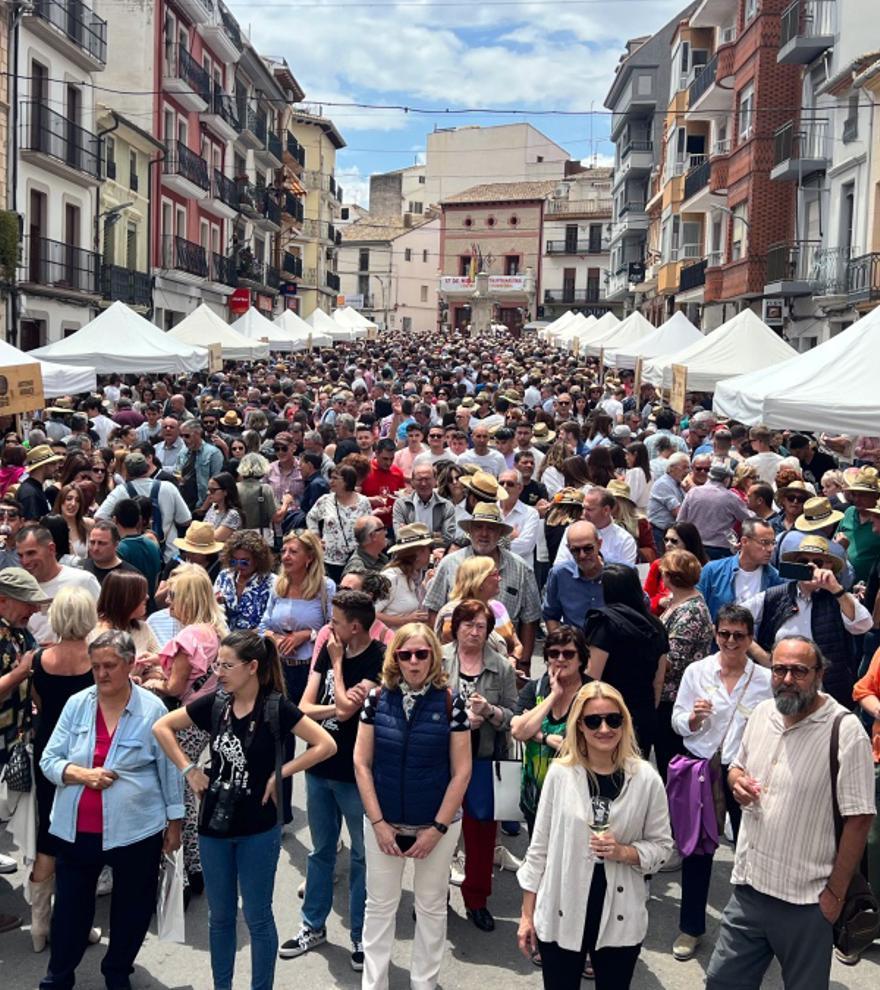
<point>105,882</point>
<point>7,864</point>
<point>505,860</point>
<point>685,946</point>
<point>847,960</point>
<point>357,956</point>
<point>673,864</point>
<point>456,870</point>
<point>304,941</point>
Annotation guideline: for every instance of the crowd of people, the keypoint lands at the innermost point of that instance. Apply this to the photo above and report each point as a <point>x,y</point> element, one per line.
<point>374,550</point>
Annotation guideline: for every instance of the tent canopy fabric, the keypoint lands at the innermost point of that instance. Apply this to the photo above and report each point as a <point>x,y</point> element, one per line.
<point>596,329</point>
<point>350,317</point>
<point>675,334</point>
<point>634,327</point>
<point>298,330</point>
<point>58,379</point>
<point>203,326</point>
<point>319,320</point>
<point>255,326</point>
<point>829,388</point>
<point>574,328</point>
<point>743,344</point>
<point>122,342</point>
<point>554,326</point>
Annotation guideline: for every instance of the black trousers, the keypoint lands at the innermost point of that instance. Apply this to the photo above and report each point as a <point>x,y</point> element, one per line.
<point>667,742</point>
<point>613,966</point>
<point>135,883</point>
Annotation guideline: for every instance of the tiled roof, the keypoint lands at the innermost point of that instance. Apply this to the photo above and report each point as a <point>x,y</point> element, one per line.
<point>505,192</point>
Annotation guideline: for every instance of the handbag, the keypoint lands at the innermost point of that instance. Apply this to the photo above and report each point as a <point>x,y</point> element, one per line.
<point>170,922</point>
<point>493,794</point>
<point>859,921</point>
<point>18,774</point>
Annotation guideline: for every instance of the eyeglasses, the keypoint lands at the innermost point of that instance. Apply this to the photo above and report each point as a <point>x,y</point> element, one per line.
<point>737,637</point>
<point>404,656</point>
<point>218,665</point>
<point>699,470</point>
<point>582,551</point>
<point>239,562</point>
<point>215,488</point>
<point>8,514</point>
<point>281,448</point>
<point>560,654</point>
<point>614,720</point>
<point>767,544</point>
<point>797,670</point>
<point>508,484</point>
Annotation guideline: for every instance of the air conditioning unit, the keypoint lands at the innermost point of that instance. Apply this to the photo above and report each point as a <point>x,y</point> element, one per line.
<point>561,191</point>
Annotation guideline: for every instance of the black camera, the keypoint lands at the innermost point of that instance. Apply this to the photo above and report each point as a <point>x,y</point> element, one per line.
<point>223,794</point>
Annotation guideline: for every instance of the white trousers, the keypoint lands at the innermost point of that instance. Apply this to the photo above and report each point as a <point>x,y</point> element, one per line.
<point>384,885</point>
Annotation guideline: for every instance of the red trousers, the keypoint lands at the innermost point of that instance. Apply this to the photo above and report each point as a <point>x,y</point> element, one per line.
<point>479,851</point>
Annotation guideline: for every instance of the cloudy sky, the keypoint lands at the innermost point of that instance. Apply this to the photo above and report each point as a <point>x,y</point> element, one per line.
<point>451,55</point>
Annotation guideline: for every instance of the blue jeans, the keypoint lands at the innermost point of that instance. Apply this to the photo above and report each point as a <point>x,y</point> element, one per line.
<point>327,803</point>
<point>245,863</point>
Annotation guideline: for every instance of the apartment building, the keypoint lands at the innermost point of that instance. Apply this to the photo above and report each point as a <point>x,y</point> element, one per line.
<point>863,271</point>
<point>822,153</point>
<point>57,150</point>
<point>398,192</point>
<point>577,229</point>
<point>318,137</point>
<point>9,229</point>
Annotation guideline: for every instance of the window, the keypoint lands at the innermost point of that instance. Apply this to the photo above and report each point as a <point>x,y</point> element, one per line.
<point>110,156</point>
<point>464,264</point>
<point>133,171</point>
<point>421,180</point>
<point>423,293</point>
<point>407,254</point>
<point>746,113</point>
<point>204,234</point>
<point>407,324</point>
<point>511,264</point>
<point>851,124</point>
<point>415,207</point>
<point>364,260</point>
<point>131,246</point>
<point>592,284</point>
<point>751,9</point>
<point>425,256</point>
<point>109,244</point>
<point>739,232</point>
<point>595,238</point>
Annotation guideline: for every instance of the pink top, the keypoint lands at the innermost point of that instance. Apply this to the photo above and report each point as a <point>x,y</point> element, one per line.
<point>378,631</point>
<point>90,813</point>
<point>200,643</point>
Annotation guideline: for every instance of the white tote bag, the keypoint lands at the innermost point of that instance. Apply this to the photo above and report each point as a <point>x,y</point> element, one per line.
<point>169,903</point>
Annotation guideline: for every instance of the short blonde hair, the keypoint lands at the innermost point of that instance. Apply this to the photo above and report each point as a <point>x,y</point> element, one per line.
<point>391,675</point>
<point>194,601</point>
<point>253,466</point>
<point>73,613</point>
<point>574,751</point>
<point>470,576</point>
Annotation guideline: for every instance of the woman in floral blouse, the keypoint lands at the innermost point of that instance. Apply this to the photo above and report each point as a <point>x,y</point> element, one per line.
<point>691,637</point>
<point>333,517</point>
<point>244,584</point>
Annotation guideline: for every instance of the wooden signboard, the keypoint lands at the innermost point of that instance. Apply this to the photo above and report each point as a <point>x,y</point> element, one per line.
<point>309,342</point>
<point>21,389</point>
<point>576,344</point>
<point>601,359</point>
<point>637,378</point>
<point>679,388</point>
<point>215,357</point>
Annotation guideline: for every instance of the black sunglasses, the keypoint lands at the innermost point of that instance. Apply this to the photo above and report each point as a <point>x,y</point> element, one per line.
<point>614,720</point>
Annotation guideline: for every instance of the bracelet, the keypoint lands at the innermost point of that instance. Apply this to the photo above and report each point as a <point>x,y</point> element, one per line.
<point>836,898</point>
<point>187,768</point>
<point>377,821</point>
<point>839,594</point>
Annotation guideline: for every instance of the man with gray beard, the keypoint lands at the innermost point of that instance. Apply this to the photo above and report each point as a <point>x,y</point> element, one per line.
<point>790,876</point>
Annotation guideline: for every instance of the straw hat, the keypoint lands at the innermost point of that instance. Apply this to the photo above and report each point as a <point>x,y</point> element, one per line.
<point>413,535</point>
<point>231,418</point>
<point>199,539</point>
<point>620,489</point>
<point>40,456</point>
<point>812,545</point>
<point>570,496</point>
<point>541,433</point>
<point>866,480</point>
<point>484,486</point>
<point>817,515</point>
<point>486,512</point>
<point>797,486</point>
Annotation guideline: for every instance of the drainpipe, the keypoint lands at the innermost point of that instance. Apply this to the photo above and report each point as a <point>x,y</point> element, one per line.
<point>151,164</point>
<point>96,240</point>
<point>12,298</point>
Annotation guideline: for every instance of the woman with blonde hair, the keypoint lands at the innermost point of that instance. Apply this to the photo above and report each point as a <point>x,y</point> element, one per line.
<point>412,797</point>
<point>479,578</point>
<point>566,507</point>
<point>602,827</point>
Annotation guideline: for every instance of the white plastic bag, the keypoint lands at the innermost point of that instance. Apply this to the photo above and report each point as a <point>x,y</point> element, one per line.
<point>169,904</point>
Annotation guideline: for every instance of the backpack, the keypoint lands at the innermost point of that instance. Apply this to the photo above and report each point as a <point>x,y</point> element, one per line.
<point>271,712</point>
<point>156,522</point>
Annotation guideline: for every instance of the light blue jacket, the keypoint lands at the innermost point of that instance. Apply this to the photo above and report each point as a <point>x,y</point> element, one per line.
<point>718,582</point>
<point>149,790</point>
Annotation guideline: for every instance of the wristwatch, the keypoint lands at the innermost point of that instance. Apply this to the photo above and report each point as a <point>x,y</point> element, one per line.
<point>313,635</point>
<point>441,828</point>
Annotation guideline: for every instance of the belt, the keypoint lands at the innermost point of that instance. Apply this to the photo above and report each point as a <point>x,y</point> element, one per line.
<point>296,661</point>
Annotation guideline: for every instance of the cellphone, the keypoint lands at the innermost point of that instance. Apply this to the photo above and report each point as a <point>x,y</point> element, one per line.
<point>405,842</point>
<point>795,572</point>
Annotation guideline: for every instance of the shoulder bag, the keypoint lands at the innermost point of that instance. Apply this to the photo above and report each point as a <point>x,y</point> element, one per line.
<point>18,773</point>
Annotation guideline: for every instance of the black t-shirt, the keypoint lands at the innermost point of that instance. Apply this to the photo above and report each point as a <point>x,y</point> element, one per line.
<point>248,772</point>
<point>533,493</point>
<point>102,572</point>
<point>607,786</point>
<point>382,408</point>
<point>820,463</point>
<point>366,665</point>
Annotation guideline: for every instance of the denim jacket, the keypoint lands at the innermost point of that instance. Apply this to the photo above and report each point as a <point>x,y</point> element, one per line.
<point>149,790</point>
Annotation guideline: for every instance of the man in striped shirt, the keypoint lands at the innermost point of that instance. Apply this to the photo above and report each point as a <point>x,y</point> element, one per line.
<point>790,876</point>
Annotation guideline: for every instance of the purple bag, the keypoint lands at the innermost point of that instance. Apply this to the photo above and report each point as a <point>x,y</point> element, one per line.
<point>690,790</point>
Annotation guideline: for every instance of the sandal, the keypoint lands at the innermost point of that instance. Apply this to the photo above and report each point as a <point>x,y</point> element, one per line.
<point>588,973</point>
<point>536,958</point>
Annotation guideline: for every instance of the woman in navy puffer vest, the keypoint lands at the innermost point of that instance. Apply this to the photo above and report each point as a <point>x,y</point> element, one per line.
<point>412,763</point>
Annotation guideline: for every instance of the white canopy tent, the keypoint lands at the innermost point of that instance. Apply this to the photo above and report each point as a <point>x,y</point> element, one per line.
<point>297,329</point>
<point>633,328</point>
<point>742,344</point>
<point>554,326</point>
<point>122,342</point>
<point>574,328</point>
<point>597,329</point>
<point>320,321</point>
<point>255,326</point>
<point>675,334</point>
<point>58,379</point>
<point>350,317</point>
<point>831,388</point>
<point>203,326</point>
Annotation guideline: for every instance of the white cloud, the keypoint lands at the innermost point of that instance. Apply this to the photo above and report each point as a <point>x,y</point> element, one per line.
<point>355,186</point>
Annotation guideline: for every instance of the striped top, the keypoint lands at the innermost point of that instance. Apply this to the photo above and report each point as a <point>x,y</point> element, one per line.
<point>786,847</point>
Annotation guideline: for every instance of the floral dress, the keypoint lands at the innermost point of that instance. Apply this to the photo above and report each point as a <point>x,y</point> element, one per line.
<point>247,611</point>
<point>691,637</point>
<point>334,523</point>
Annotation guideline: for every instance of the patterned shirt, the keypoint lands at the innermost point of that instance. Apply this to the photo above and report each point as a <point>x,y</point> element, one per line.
<point>245,612</point>
<point>691,637</point>
<point>14,643</point>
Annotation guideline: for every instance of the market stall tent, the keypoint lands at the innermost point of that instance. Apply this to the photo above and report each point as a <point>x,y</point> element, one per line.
<point>554,326</point>
<point>597,328</point>
<point>320,321</point>
<point>634,328</point>
<point>349,316</point>
<point>831,388</point>
<point>674,335</point>
<point>742,344</point>
<point>297,329</point>
<point>58,379</point>
<point>203,326</point>
<point>255,326</point>
<point>122,342</point>
<point>574,328</point>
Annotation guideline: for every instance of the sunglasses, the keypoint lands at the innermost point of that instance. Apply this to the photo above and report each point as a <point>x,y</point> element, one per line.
<point>239,562</point>
<point>797,670</point>
<point>585,550</point>
<point>614,720</point>
<point>508,484</point>
<point>794,499</point>
<point>97,470</point>
<point>404,656</point>
<point>737,637</point>
<point>699,470</point>
<point>672,541</point>
<point>281,448</point>
<point>562,654</point>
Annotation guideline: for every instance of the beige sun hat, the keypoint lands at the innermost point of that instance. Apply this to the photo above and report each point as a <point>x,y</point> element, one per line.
<point>817,514</point>
<point>199,538</point>
<point>486,512</point>
<point>413,535</point>
<point>484,486</point>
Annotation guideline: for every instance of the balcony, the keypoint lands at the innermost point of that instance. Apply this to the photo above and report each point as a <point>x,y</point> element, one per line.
<point>696,182</point>
<point>291,266</point>
<point>829,271</point>
<point>800,150</point>
<point>332,280</point>
<point>572,246</point>
<point>636,159</point>
<point>692,276</point>
<point>790,266</point>
<point>198,11</point>
<point>706,94</point>
<point>251,123</point>
<point>295,153</point>
<point>223,270</point>
<point>223,199</point>
<point>59,268</point>
<point>73,28</point>
<point>222,34</point>
<point>131,287</point>
<point>269,217</point>
<point>579,207</point>
<point>863,279</point>
<point>184,171</point>
<point>185,79</point>
<point>272,276</point>
<point>221,115</point>
<point>291,206</point>
<point>257,274</point>
<point>56,144</point>
<point>269,153</point>
<point>498,284</point>
<point>631,219</point>
<point>570,296</point>
<point>184,257</point>
<point>275,148</point>
<point>807,28</point>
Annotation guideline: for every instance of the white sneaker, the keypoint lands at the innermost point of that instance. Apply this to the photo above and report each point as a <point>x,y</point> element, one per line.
<point>456,870</point>
<point>685,946</point>
<point>105,882</point>
<point>505,860</point>
<point>8,864</point>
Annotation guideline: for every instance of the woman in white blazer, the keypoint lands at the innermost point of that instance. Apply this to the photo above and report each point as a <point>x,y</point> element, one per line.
<point>585,890</point>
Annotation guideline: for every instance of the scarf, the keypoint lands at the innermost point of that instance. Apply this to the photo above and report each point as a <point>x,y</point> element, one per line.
<point>411,696</point>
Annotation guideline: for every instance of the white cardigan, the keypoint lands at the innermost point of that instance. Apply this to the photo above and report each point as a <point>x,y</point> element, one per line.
<point>559,864</point>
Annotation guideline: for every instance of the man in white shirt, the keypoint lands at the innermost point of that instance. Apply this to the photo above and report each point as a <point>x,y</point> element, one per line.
<point>101,424</point>
<point>482,454</point>
<point>524,434</point>
<point>169,448</point>
<point>618,546</point>
<point>765,461</point>
<point>36,551</point>
<point>525,520</point>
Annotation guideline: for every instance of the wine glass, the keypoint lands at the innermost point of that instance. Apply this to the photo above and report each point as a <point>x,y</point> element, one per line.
<point>601,814</point>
